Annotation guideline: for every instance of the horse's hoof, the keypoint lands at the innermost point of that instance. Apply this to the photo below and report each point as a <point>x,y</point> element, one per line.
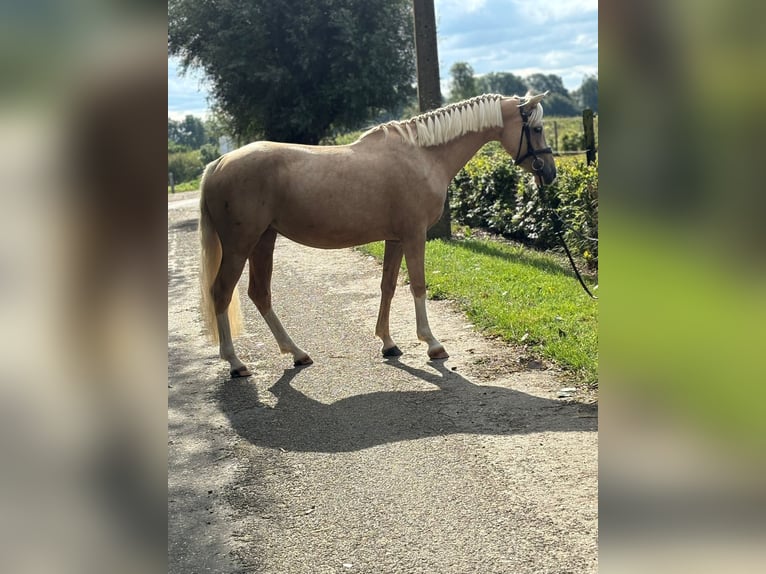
<point>240,372</point>
<point>438,353</point>
<point>302,362</point>
<point>392,352</point>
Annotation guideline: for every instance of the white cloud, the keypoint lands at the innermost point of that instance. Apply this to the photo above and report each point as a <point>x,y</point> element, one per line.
<point>459,5</point>
<point>555,10</point>
<point>187,94</point>
<point>586,41</point>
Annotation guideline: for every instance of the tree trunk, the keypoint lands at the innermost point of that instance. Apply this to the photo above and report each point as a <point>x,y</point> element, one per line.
<point>429,90</point>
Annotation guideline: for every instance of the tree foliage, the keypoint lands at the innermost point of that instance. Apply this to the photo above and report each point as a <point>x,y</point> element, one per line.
<point>560,102</point>
<point>189,132</point>
<point>587,94</point>
<point>291,70</point>
<point>556,104</point>
<point>503,83</point>
<point>463,84</point>
<point>540,83</point>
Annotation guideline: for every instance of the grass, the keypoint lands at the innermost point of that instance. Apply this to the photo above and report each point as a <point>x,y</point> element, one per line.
<point>187,185</point>
<point>523,296</point>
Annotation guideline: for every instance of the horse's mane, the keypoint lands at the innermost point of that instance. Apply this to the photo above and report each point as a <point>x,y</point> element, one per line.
<point>445,124</point>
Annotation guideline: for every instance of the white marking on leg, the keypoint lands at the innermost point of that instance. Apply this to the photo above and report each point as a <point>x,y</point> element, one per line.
<point>421,319</point>
<point>435,348</point>
<point>286,344</point>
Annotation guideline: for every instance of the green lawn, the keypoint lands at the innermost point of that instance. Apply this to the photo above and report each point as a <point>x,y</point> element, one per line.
<point>524,296</point>
<point>187,185</point>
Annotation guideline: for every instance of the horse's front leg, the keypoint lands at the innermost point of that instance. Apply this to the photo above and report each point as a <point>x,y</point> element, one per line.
<point>392,260</point>
<point>414,254</point>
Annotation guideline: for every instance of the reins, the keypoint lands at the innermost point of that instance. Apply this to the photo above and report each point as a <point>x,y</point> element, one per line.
<point>557,225</point>
<point>537,168</point>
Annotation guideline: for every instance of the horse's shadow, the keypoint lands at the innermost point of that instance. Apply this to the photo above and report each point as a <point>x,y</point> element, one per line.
<point>456,405</point>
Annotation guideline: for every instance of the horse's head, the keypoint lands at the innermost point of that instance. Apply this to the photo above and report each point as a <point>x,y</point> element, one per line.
<point>523,138</point>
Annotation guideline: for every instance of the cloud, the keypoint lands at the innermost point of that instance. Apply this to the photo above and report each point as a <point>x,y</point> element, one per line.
<point>559,37</point>
<point>555,10</point>
<point>459,5</point>
<point>187,94</point>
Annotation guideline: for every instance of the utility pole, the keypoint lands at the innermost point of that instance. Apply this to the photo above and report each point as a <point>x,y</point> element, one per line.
<point>429,90</point>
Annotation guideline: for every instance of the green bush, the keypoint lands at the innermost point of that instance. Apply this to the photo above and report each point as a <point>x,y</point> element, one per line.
<point>577,191</point>
<point>574,197</point>
<point>491,193</point>
<point>483,193</point>
<point>208,152</point>
<point>185,166</point>
<point>572,142</point>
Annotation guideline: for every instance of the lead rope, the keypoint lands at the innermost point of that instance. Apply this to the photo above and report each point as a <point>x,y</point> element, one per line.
<point>557,225</point>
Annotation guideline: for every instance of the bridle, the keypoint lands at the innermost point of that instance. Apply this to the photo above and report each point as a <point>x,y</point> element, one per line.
<point>537,168</point>
<point>537,163</point>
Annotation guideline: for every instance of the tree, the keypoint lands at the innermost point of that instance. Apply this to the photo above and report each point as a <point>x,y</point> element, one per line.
<point>503,83</point>
<point>189,132</point>
<point>556,104</point>
<point>291,70</point>
<point>559,102</point>
<point>587,94</point>
<point>539,83</point>
<point>463,85</point>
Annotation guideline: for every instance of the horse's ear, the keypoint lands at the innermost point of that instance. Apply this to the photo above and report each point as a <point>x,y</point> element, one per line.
<point>531,101</point>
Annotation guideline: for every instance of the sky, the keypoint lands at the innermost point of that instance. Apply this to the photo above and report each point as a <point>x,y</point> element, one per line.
<point>518,36</point>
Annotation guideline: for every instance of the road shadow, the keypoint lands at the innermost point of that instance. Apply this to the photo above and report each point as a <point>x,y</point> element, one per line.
<point>455,405</point>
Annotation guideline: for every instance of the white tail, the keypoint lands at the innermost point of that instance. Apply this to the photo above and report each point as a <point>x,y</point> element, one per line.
<point>210,261</point>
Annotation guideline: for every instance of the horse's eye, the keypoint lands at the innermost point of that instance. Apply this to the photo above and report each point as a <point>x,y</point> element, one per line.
<point>539,129</point>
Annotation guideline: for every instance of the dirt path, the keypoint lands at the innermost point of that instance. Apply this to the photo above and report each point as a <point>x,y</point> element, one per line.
<point>358,464</point>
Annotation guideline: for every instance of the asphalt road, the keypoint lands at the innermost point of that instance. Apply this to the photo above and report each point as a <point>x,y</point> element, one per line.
<point>360,464</point>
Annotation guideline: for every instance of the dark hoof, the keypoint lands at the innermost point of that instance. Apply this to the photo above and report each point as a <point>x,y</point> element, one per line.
<point>240,372</point>
<point>305,361</point>
<point>438,354</point>
<point>392,352</point>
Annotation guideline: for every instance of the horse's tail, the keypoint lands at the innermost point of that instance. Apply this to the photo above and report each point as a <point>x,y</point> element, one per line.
<point>210,261</point>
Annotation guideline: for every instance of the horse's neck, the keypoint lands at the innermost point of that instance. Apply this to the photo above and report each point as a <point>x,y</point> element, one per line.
<point>453,155</point>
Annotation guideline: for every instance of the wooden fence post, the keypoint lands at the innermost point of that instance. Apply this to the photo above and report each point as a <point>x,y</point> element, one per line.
<point>172,182</point>
<point>590,135</point>
<point>555,135</point>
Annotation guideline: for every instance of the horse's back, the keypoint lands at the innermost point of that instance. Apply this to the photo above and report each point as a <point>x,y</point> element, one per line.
<point>323,196</point>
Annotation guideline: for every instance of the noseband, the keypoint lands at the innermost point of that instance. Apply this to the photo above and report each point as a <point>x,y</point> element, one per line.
<point>537,163</point>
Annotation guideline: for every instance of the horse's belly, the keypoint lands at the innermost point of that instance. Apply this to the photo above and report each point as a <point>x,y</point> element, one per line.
<point>330,234</point>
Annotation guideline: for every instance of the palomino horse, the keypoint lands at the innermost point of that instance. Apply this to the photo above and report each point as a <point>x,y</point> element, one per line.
<point>388,185</point>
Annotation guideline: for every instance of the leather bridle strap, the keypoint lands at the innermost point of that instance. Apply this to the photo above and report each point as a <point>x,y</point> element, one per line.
<point>537,163</point>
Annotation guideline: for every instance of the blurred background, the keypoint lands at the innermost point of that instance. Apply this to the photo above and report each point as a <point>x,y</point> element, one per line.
<point>683,311</point>
<point>82,297</point>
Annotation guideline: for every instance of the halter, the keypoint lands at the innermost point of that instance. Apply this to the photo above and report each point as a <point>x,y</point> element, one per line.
<point>537,163</point>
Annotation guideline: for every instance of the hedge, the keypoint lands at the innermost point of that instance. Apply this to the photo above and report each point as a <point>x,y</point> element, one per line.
<point>492,193</point>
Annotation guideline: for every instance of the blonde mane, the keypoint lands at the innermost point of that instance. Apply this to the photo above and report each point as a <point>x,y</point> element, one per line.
<point>445,124</point>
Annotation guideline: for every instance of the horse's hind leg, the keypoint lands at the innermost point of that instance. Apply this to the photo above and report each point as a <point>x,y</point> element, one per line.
<point>261,265</point>
<point>414,254</point>
<point>223,288</point>
<point>392,260</point>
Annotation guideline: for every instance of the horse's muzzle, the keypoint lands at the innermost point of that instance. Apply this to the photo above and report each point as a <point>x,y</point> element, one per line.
<point>547,174</point>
